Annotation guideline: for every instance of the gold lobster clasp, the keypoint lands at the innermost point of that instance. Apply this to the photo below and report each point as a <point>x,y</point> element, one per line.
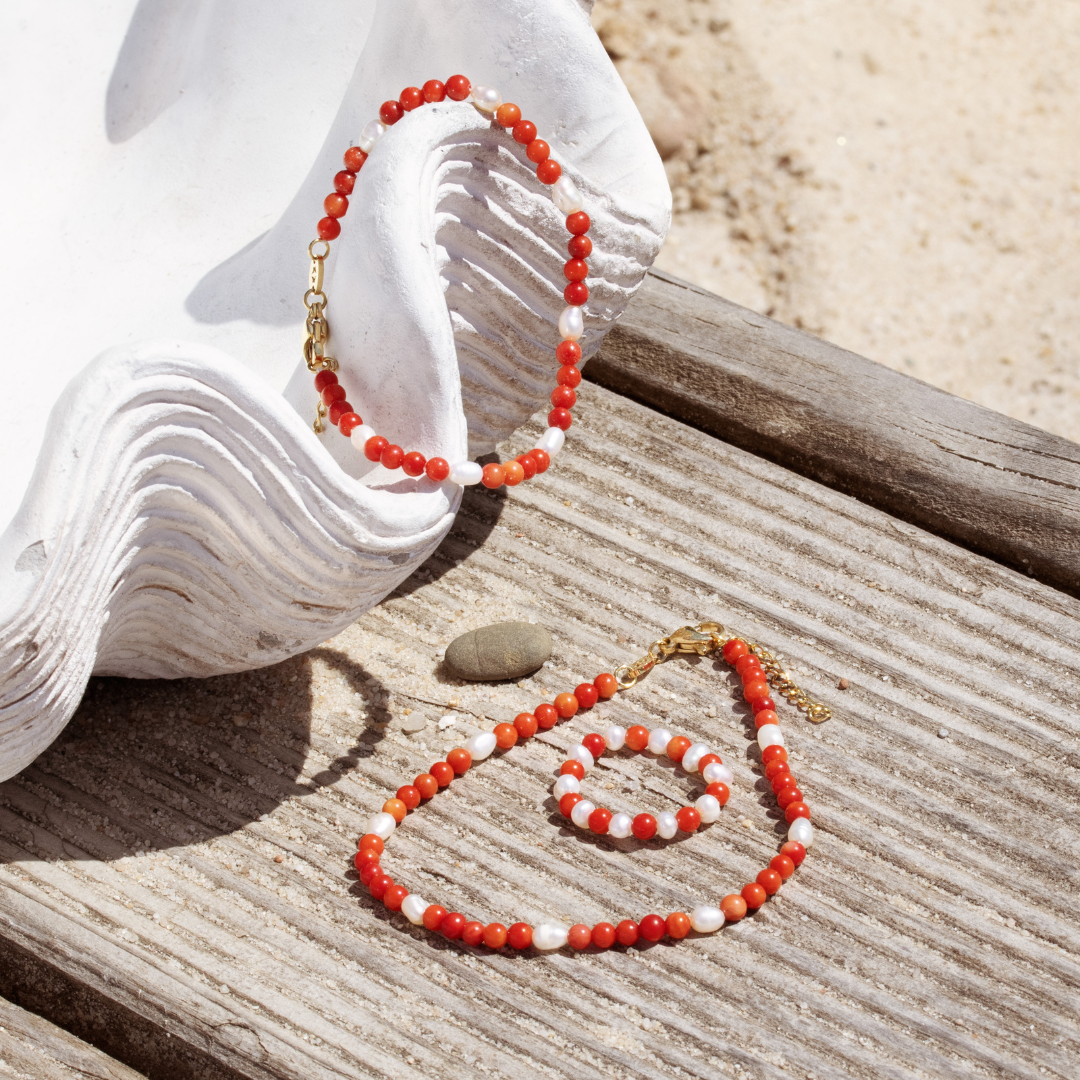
<point>700,640</point>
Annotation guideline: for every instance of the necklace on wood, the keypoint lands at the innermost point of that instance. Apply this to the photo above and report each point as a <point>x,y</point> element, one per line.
<point>332,403</point>
<point>755,665</point>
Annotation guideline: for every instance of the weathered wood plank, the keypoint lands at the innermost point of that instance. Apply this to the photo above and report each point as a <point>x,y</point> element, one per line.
<point>932,932</point>
<point>33,1049</point>
<point>998,486</point>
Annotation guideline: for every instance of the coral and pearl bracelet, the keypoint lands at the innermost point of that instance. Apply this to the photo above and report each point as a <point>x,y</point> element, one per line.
<point>755,665</point>
<point>333,403</point>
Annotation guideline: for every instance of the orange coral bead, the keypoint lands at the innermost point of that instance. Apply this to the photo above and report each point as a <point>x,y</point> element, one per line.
<point>525,724</point>
<point>505,736</point>
<point>754,895</point>
<point>579,937</point>
<point>733,906</point>
<point>472,933</point>
<point>573,768</point>
<point>373,841</point>
<point>507,114</point>
<point>547,716</point>
<point>637,737</point>
<point>434,915</point>
<point>538,151</point>
<point>426,784</point>
<point>335,205</point>
<point>566,705</point>
<point>396,809</point>
<point>493,475</point>
<point>409,795</point>
<point>677,747</point>
<point>733,649</point>
<point>782,865</point>
<point>442,772</point>
<point>459,759</point>
<point>606,684</point>
<point>770,881</point>
<point>678,925</point>
<point>494,935</point>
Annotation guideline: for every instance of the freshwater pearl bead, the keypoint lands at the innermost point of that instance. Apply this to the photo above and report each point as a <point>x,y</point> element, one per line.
<point>466,473</point>
<point>373,131</point>
<point>666,825</point>
<point>708,806</point>
<point>571,323</point>
<point>481,745</point>
<point>580,814</point>
<point>802,832</point>
<point>566,785</point>
<point>413,908</point>
<point>382,825</point>
<point>693,755</point>
<point>615,737</point>
<point>548,936</point>
<point>706,919</point>
<point>552,441</point>
<point>716,773</point>
<point>770,735</point>
<point>621,826</point>
<point>486,98</point>
<point>659,739</point>
<point>581,753</point>
<point>360,436</point>
<point>566,196</point>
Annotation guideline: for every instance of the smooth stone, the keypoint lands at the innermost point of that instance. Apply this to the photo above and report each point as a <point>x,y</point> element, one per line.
<point>500,651</point>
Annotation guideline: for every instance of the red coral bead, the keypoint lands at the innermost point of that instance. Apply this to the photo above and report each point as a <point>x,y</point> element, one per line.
<point>627,932</point>
<point>524,132</point>
<point>333,392</point>
<point>507,114</point>
<point>541,458</point>
<point>599,820</point>
<point>733,906</point>
<point>575,270</point>
<point>373,841</point>
<point>568,375</point>
<point>678,925</point>
<point>426,784</point>
<point>525,724</point>
<point>562,397</point>
<point>442,772</point>
<point>752,691</point>
<point>745,663</point>
<point>573,767</point>
<point>796,810</point>
<point>773,753</point>
<point>437,468</point>
<point>794,851</point>
<point>434,915</point>
<point>677,747</point>
<point>735,648</point>
<point>547,716</point>
<point>528,466</point>
<point>411,98</point>
<point>548,171</point>
<point>413,463</point>
<point>637,737</point>
<point>519,936</point>
<point>538,151</point>
<point>365,857</point>
<point>472,933</point>
<point>392,456</point>
<point>782,865</point>
<point>568,352</point>
<point>643,826</point>
<point>338,410</point>
<point>606,685</point>
<point>580,247</point>
<point>603,935</point>
<point>593,742</point>
<point>409,795</point>
<point>775,767</point>
<point>568,802</point>
<point>782,781</point>
<point>324,379</point>
<point>560,418</point>
<point>349,422</point>
<point>344,182</point>
<point>708,759</point>
<point>578,223</point>
<point>458,87</point>
<point>770,881</point>
<point>434,90</point>
<point>390,112</point>
<point>374,447</point>
<point>495,935</point>
<point>370,872</point>
<point>354,159</point>
<point>452,925</point>
<point>762,704</point>
<point>788,796</point>
<point>766,716</point>
<point>688,819</point>
<point>652,927</point>
<point>459,759</point>
<point>378,885</point>
<point>328,228</point>
<point>493,475</point>
<point>513,473</point>
<point>506,735</point>
<point>719,791</point>
<point>576,293</point>
<point>566,705</point>
<point>394,897</point>
<point>754,895</point>
<point>587,696</point>
<point>335,205</point>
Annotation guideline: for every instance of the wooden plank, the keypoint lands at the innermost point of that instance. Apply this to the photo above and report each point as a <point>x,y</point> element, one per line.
<point>993,484</point>
<point>33,1049</point>
<point>933,931</point>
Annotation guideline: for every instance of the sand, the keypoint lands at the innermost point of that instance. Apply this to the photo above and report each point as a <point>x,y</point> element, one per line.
<point>900,178</point>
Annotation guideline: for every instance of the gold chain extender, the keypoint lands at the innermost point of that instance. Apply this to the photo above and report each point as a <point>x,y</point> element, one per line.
<point>710,637</point>
<point>318,329</point>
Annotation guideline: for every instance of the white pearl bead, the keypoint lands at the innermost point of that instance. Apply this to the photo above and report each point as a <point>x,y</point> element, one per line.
<point>466,473</point>
<point>565,195</point>
<point>580,814</point>
<point>486,98</point>
<point>620,826</point>
<point>581,753</point>
<point>566,785</point>
<point>659,739</point>
<point>552,441</point>
<point>770,735</point>
<point>693,755</point>
<point>615,737</point>
<point>708,807</point>
<point>373,131</point>
<point>548,936</point>
<point>360,436</point>
<point>571,323</point>
<point>801,832</point>
<point>706,919</point>
<point>716,773</point>
<point>666,825</point>
<point>480,745</point>
<point>413,908</point>
<point>381,825</point>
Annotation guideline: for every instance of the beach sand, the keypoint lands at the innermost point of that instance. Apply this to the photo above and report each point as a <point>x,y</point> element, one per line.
<point>900,178</point>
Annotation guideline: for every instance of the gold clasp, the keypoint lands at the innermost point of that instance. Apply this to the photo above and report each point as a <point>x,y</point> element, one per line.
<point>699,640</point>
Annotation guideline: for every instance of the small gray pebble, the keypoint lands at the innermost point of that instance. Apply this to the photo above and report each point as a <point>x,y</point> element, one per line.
<point>943,733</point>
<point>415,721</point>
<point>500,651</point>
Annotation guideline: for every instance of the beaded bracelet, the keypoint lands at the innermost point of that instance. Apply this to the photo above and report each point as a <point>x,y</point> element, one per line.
<point>332,403</point>
<point>755,666</point>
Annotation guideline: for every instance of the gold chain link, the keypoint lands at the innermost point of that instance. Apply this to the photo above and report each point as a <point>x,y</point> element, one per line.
<point>709,637</point>
<point>318,329</point>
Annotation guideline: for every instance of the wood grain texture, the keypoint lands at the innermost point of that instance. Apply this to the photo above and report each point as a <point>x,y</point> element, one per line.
<point>991,483</point>
<point>33,1049</point>
<point>932,932</point>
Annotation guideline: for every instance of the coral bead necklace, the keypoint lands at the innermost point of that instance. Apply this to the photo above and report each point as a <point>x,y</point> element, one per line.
<point>756,667</point>
<point>333,404</point>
